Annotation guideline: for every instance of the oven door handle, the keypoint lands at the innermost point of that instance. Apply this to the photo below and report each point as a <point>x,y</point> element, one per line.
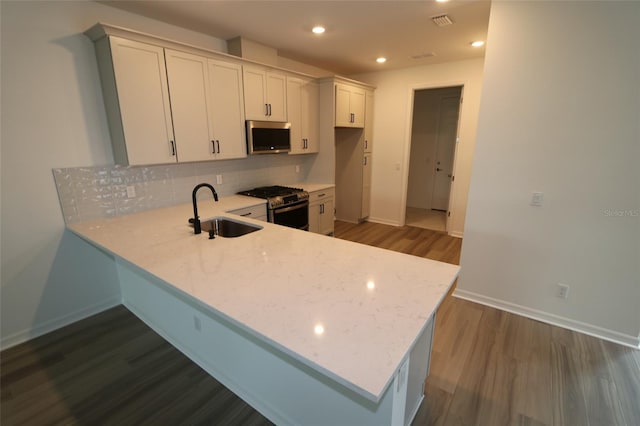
<point>296,206</point>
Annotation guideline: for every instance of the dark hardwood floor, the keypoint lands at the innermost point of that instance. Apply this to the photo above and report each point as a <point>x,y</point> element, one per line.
<point>488,368</point>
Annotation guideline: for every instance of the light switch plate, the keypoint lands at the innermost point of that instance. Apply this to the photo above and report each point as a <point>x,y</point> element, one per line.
<point>218,179</point>
<point>536,199</point>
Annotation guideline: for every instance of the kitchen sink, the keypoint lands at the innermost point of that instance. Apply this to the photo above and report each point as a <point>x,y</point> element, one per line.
<point>228,228</point>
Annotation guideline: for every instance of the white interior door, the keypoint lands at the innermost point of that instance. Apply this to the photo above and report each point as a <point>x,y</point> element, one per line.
<point>446,144</point>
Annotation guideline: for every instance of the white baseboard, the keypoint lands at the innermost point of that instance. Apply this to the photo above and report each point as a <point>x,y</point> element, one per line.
<point>580,327</point>
<point>48,326</point>
<point>382,221</point>
<point>456,234</point>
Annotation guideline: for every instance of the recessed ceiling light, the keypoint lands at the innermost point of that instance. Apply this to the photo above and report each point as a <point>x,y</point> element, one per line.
<point>381,60</point>
<point>441,1</point>
<point>318,29</point>
<point>477,43</point>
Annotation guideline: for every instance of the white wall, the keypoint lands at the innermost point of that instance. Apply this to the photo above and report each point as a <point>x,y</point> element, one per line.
<point>392,134</point>
<point>53,116</point>
<point>560,114</point>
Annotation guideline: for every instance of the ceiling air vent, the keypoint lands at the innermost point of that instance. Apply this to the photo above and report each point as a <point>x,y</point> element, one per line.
<point>441,20</point>
<point>423,55</point>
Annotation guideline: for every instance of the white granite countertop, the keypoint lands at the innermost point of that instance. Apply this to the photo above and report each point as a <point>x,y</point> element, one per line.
<point>311,187</point>
<point>348,310</point>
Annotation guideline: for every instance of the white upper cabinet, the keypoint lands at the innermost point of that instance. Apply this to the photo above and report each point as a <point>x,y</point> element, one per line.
<point>206,103</point>
<point>136,95</point>
<point>264,94</point>
<point>227,109</point>
<point>350,106</point>
<point>302,106</point>
<point>189,86</point>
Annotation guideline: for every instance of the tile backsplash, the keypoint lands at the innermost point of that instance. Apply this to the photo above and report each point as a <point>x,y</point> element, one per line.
<point>88,193</point>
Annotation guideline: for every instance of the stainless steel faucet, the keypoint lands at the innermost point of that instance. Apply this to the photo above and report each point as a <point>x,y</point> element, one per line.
<point>197,229</point>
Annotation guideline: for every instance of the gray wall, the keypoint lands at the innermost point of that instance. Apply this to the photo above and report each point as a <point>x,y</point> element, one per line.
<point>53,117</point>
<point>559,114</point>
<point>392,135</point>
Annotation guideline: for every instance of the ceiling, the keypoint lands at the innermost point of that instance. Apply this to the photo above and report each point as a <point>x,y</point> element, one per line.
<point>357,32</point>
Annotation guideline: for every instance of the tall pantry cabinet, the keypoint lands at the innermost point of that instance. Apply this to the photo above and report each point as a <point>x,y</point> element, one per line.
<point>352,121</point>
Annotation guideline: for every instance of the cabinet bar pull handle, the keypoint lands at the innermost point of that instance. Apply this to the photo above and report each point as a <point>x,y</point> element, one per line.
<point>218,144</point>
<point>266,109</point>
<point>365,161</point>
<point>246,214</point>
<point>213,147</point>
<point>173,148</point>
<point>321,195</point>
<point>366,144</point>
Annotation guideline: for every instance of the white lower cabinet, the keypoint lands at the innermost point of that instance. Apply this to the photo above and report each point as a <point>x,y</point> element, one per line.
<point>419,362</point>
<point>254,212</point>
<point>366,185</point>
<point>321,209</point>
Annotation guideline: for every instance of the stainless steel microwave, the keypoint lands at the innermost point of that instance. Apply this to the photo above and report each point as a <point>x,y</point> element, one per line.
<point>268,137</point>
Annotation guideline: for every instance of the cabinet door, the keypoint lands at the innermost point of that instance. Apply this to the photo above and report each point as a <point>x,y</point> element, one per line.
<point>227,109</point>
<point>189,89</point>
<point>357,106</point>
<point>255,93</point>
<point>143,100</point>
<point>326,217</point>
<point>368,122</point>
<point>343,111</point>
<point>310,108</point>
<point>277,96</point>
<point>295,116</point>
<point>366,185</point>
<point>314,217</point>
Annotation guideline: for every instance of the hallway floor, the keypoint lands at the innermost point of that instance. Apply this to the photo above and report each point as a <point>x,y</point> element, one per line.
<point>428,219</point>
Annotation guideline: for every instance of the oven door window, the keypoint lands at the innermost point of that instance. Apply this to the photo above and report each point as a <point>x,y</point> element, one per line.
<point>293,216</point>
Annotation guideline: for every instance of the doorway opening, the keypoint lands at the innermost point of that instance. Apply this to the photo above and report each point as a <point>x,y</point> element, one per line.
<point>434,133</point>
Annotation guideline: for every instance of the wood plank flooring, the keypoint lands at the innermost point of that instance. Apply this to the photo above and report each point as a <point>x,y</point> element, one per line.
<point>488,368</point>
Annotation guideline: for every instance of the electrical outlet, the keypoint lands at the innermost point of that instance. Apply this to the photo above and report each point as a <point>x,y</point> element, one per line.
<point>218,179</point>
<point>131,192</point>
<point>297,169</point>
<point>196,323</point>
<point>562,291</point>
<point>536,199</point>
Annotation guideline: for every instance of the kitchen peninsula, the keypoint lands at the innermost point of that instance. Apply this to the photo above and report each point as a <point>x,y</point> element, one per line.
<point>306,328</point>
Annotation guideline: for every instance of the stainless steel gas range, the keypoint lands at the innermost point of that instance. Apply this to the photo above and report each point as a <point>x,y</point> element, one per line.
<point>285,206</point>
